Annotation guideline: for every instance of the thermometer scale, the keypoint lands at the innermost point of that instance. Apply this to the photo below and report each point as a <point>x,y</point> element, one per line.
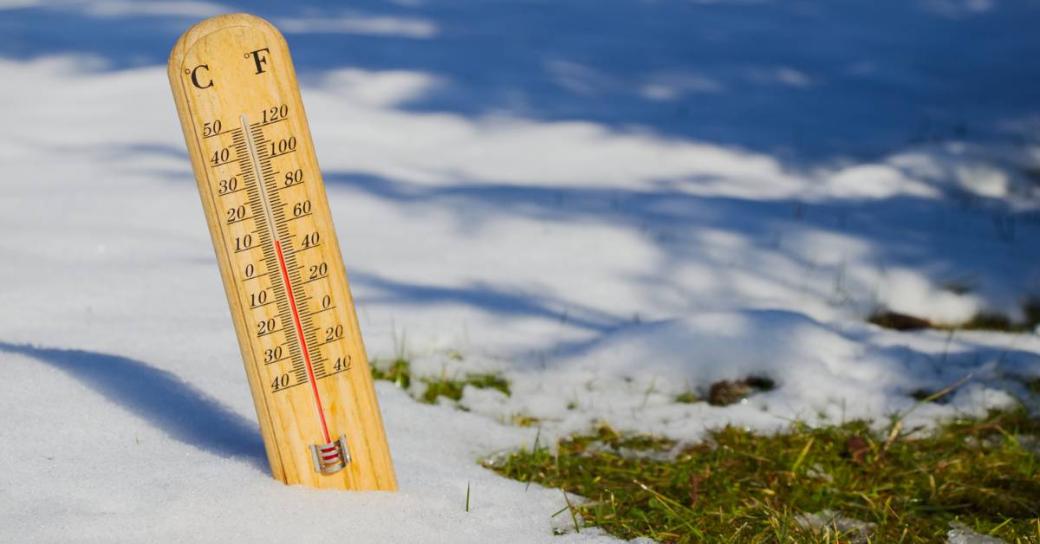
<point>262,192</point>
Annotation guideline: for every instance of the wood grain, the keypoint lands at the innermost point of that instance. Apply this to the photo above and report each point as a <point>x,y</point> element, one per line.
<point>237,98</point>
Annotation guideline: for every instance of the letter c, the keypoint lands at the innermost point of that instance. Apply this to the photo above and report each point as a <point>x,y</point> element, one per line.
<point>195,77</point>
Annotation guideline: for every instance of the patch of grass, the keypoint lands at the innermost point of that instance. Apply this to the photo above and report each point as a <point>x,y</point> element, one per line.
<point>488,381</point>
<point>900,322</point>
<point>452,388</point>
<point>725,392</point>
<point>441,387</point>
<point>524,420</point>
<point>987,321</point>
<point>687,397</point>
<point>982,321</point>
<point>399,371</point>
<point>841,483</point>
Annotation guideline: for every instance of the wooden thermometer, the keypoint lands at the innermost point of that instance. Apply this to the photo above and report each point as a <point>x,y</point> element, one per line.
<point>264,199</point>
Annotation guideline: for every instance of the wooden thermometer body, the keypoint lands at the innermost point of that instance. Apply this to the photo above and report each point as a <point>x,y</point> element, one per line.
<point>265,203</point>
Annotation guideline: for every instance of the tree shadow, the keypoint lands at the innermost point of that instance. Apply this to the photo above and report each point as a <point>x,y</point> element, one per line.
<point>483,296</point>
<point>941,236</point>
<point>810,81</point>
<point>161,398</point>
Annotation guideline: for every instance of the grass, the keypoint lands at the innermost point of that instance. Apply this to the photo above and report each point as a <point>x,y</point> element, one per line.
<point>843,483</point>
<point>726,392</point>
<point>687,397</point>
<point>399,371</point>
<point>982,321</point>
<point>524,420</point>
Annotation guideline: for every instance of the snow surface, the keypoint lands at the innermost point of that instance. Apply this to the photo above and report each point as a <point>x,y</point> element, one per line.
<point>610,205</point>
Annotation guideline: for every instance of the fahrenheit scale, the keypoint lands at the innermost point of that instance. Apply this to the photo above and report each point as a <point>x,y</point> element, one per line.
<point>262,192</point>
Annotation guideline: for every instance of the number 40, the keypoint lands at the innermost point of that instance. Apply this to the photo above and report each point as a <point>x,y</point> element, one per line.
<point>280,382</point>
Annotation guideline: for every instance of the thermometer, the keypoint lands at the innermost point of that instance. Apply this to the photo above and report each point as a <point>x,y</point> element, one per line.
<point>268,215</point>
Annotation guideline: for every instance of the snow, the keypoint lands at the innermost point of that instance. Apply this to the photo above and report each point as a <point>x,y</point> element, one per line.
<point>959,534</point>
<point>610,206</point>
<point>823,374</point>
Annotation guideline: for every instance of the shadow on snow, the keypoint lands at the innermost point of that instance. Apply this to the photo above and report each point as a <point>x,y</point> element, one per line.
<point>805,81</point>
<point>949,238</point>
<point>159,397</point>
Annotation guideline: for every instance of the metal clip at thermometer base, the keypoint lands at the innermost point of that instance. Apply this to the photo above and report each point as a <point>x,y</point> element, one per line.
<point>332,457</point>
<point>268,216</point>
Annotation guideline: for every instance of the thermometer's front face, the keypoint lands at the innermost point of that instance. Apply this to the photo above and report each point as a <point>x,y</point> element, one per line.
<point>279,257</point>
